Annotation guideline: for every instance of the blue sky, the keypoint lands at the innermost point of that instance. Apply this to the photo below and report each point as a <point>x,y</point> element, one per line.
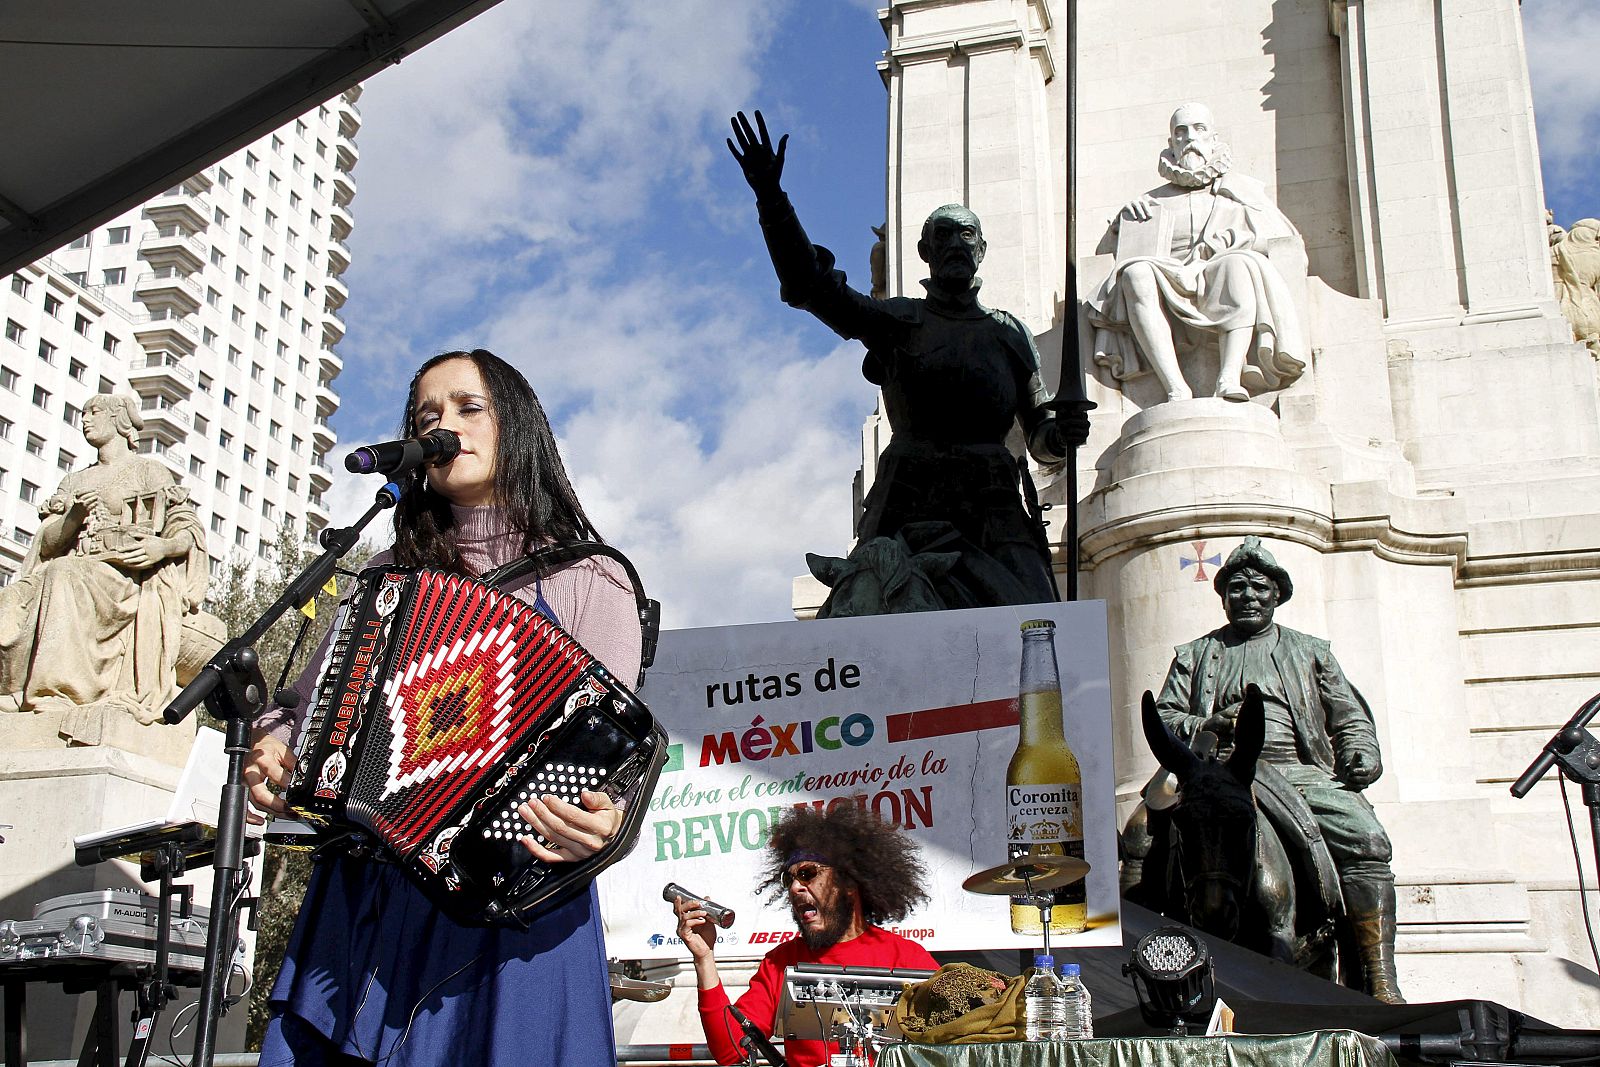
<point>550,181</point>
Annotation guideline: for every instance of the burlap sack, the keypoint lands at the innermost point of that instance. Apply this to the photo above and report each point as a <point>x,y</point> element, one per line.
<point>961,1005</point>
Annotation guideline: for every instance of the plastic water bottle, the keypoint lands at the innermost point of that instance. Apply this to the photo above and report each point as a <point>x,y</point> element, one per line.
<point>1077,1016</point>
<point>1041,1002</point>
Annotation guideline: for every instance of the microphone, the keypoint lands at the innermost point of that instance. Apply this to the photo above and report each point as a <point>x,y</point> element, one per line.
<point>434,448</point>
<point>723,917</point>
<point>755,1038</point>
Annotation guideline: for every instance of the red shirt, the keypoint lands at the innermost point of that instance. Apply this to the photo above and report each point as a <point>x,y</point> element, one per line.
<point>874,948</point>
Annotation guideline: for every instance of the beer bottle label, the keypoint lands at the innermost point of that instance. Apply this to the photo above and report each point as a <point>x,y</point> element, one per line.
<point>1047,820</point>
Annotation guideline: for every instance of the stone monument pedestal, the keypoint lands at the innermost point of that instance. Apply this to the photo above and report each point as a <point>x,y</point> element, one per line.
<point>52,792</point>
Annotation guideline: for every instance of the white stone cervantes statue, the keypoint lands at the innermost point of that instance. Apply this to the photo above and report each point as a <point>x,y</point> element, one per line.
<point>116,570</point>
<point>1191,263</point>
<point>1576,260</point>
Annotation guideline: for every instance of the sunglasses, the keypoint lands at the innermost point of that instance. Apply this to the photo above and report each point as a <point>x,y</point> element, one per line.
<point>804,874</point>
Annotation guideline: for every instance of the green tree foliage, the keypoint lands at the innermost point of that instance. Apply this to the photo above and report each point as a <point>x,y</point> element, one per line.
<point>239,596</point>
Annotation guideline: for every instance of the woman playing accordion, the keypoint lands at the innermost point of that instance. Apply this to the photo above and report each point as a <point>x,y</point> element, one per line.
<point>374,972</point>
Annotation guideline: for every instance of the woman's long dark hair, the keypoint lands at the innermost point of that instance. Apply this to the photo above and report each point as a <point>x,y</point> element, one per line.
<point>530,481</point>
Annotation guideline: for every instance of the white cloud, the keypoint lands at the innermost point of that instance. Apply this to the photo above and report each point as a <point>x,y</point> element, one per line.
<point>1563,38</point>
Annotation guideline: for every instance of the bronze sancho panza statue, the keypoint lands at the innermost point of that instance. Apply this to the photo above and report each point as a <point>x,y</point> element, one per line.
<point>956,377</point>
<point>1320,738</point>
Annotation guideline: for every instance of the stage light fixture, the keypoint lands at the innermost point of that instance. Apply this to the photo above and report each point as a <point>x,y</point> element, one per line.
<point>1179,984</point>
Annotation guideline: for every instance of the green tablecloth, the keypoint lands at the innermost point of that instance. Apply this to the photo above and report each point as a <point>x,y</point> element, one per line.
<point>1325,1048</point>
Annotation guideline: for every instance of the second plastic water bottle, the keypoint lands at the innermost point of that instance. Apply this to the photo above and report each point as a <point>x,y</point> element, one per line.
<point>1041,1002</point>
<point>1077,1018</point>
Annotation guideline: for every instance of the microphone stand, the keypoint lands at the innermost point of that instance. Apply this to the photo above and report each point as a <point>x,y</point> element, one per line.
<point>1578,753</point>
<point>232,688</point>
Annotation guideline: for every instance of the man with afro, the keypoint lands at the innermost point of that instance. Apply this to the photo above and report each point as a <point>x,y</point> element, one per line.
<point>843,871</point>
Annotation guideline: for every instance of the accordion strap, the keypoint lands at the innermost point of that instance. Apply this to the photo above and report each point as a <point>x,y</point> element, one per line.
<point>543,561</point>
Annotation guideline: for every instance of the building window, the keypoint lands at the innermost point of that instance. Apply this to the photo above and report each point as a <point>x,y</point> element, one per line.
<point>275,430</point>
<point>272,183</point>
<point>216,257</point>
<point>277,144</point>
<point>220,217</point>
<point>21,536</point>
<point>41,397</point>
<point>213,298</point>
<point>225,442</point>
<point>208,337</point>
<point>197,467</point>
<point>202,425</point>
<point>277,387</point>
<point>245,494</point>
<point>76,370</point>
<point>283,350</point>
<point>80,242</point>
<point>205,382</point>
<point>114,276</point>
<point>65,459</point>
<point>299,402</point>
<point>251,161</point>
<point>109,343</point>
<point>252,415</point>
<point>8,379</point>
<point>295,444</point>
<point>294,483</point>
<point>240,536</point>
<point>264,295</point>
<point>241,276</point>
<point>261,334</point>
<point>6,426</point>
<point>14,331</point>
<point>224,179</point>
<point>117,235</point>
<point>272,469</point>
<point>78,277</point>
<point>35,445</point>
<point>238,315</point>
<point>283,312</point>
<point>256,371</point>
<point>216,524</point>
<point>268,510</point>
<point>294,201</point>
<point>30,492</point>
<point>52,304</point>
<point>228,398</point>
<point>20,285</point>
<point>47,351</point>
<point>234,353</point>
<point>249,202</point>
<point>221,481</point>
<point>71,415</point>
<point>82,324</point>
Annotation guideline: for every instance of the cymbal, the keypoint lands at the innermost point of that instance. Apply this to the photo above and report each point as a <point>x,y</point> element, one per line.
<point>1014,878</point>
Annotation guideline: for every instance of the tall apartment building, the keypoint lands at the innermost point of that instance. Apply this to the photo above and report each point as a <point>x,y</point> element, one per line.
<point>216,304</point>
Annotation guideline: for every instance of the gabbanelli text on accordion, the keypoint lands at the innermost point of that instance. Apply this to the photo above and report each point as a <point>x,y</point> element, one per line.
<point>441,705</point>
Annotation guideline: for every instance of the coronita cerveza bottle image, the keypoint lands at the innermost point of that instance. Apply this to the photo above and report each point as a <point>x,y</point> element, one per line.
<point>1044,788</point>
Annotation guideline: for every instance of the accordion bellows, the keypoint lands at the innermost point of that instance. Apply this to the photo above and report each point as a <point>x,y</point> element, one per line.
<point>441,705</point>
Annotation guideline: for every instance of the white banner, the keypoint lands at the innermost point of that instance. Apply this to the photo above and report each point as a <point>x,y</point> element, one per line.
<point>912,716</point>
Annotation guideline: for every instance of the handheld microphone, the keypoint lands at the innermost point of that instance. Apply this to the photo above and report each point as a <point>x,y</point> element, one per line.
<point>723,917</point>
<point>434,448</point>
<point>757,1039</point>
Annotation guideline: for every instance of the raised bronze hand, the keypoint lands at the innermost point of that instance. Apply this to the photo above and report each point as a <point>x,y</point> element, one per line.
<point>762,166</point>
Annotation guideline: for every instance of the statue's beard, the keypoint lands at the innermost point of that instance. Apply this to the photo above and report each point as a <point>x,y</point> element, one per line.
<point>1195,170</point>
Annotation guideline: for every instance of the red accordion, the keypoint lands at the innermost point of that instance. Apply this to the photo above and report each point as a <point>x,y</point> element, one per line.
<point>442,705</point>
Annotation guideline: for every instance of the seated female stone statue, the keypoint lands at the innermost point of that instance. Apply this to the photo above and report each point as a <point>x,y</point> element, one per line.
<point>118,562</point>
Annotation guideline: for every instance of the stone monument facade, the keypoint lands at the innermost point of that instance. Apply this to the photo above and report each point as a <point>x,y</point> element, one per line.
<point>1429,475</point>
